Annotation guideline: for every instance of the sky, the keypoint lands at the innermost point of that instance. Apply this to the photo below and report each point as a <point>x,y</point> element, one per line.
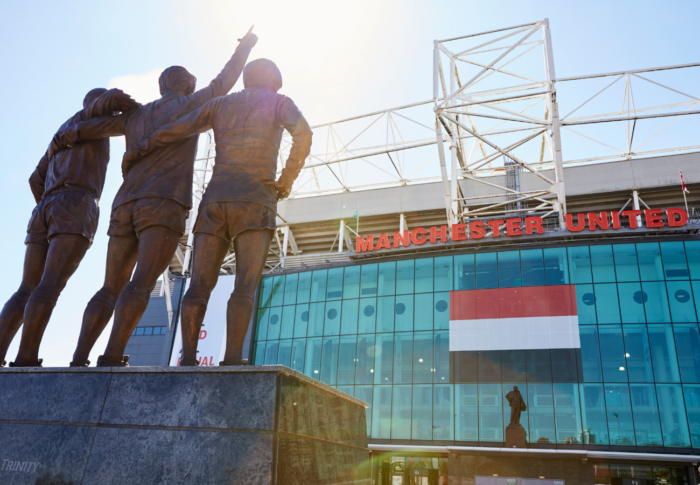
<point>338,59</point>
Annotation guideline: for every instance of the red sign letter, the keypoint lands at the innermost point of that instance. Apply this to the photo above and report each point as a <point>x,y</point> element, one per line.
<point>202,335</point>
<point>615,219</point>
<point>383,242</point>
<point>458,232</point>
<point>653,218</point>
<point>361,245</point>
<point>632,216</point>
<point>496,226</point>
<point>434,234</point>
<point>533,224</point>
<point>513,227</point>
<point>570,223</point>
<point>597,220</point>
<point>403,240</point>
<point>477,230</point>
<point>682,217</point>
<point>418,236</point>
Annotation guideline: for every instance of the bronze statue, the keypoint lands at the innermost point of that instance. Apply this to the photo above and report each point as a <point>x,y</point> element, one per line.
<point>67,189</point>
<point>517,405</point>
<point>240,202</point>
<point>151,208</point>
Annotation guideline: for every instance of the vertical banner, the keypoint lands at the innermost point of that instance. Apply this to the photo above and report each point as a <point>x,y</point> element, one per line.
<point>212,337</point>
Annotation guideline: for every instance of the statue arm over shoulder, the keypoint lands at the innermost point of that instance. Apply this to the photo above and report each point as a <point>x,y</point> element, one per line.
<point>198,121</point>
<point>295,123</point>
<point>38,178</point>
<point>228,76</point>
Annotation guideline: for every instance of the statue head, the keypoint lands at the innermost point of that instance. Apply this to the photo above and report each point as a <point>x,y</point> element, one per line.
<point>177,79</point>
<point>92,95</point>
<point>262,73</point>
<point>515,388</point>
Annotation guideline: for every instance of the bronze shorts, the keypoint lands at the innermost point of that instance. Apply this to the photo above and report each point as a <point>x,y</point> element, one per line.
<point>133,217</point>
<point>228,219</point>
<point>66,211</point>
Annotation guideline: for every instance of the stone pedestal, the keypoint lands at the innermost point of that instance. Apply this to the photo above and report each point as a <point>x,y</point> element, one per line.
<point>515,436</point>
<point>174,425</point>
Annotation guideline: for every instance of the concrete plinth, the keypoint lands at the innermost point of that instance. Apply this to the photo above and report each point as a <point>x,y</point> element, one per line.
<point>515,436</point>
<point>208,425</point>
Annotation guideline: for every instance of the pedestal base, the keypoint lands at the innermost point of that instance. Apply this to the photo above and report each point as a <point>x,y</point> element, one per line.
<point>178,425</point>
<point>515,436</point>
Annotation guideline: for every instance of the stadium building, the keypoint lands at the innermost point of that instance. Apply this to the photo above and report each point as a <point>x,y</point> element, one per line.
<point>434,256</point>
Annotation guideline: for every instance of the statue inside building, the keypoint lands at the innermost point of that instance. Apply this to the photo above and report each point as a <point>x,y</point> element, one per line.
<point>151,208</point>
<point>517,406</point>
<point>240,203</point>
<point>67,187</point>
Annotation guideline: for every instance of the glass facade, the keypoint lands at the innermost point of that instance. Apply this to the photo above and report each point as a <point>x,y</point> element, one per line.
<point>380,332</point>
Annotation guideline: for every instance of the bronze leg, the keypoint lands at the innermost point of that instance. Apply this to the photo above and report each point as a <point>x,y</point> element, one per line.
<point>252,247</point>
<point>66,251</point>
<point>121,258</point>
<point>13,312</point>
<point>157,244</point>
<point>209,253</point>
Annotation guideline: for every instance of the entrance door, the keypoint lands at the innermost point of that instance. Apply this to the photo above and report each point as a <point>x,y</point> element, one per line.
<point>421,476</point>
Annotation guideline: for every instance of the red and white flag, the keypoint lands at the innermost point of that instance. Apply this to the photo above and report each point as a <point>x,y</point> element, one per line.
<point>535,317</point>
<point>683,183</point>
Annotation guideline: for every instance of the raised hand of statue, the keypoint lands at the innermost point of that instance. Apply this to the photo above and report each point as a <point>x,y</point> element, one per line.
<point>249,38</point>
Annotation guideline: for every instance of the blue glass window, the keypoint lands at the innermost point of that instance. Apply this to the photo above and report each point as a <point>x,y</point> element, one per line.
<point>688,349</point>
<point>424,311</point>
<point>422,422</point>
<point>265,292</point>
<point>301,320</point>
<point>607,303</point>
<point>423,357</point>
<point>404,277</point>
<point>467,412</point>
<point>316,318</point>
<point>332,320</point>
<point>384,359</point>
<point>489,366</point>
<point>443,412</point>
<point>556,270</point>
<point>364,393</point>
<point>593,415</point>
<point>663,353</point>
<point>680,297</point>
<point>403,357</point>
<point>656,302</point>
<point>580,264</point>
<point>273,329</point>
<point>532,267</point>
<point>650,266</point>
<point>260,353</point>
<point>287,327</point>
<point>290,289</point>
<point>514,368</point>
<point>692,252</point>
<point>366,351</point>
<point>329,361</point>
<point>441,360</point>
<point>443,273</point>
<point>590,354</point>
<point>277,296</point>
<point>367,315</point>
<point>509,269</point>
<point>612,351</point>
<point>385,313</point>
<point>619,411</point>
<point>401,413</point>
<point>602,264</point>
<point>674,423</point>
<point>490,413</point>
<point>346,359</point>
<point>368,283</point>
<point>486,271</point>
<point>351,282</point>
<point>271,352</point>
<point>381,412</point>
<point>442,311</point>
<point>284,356</point>
<point>318,285</point>
<point>465,273</point>
<point>334,289</point>
<point>567,413</point>
<point>263,321</point>
<point>626,262</point>
<point>350,315</point>
<point>692,407</point>
<point>632,302</point>
<point>638,353</point>
<point>541,413</point>
<point>404,313</point>
<point>298,352</point>
<point>312,361</point>
<point>673,254</point>
<point>304,287</point>
<point>424,275</point>
<point>646,415</point>
<point>387,279</point>
<point>539,366</point>
<point>585,304</point>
